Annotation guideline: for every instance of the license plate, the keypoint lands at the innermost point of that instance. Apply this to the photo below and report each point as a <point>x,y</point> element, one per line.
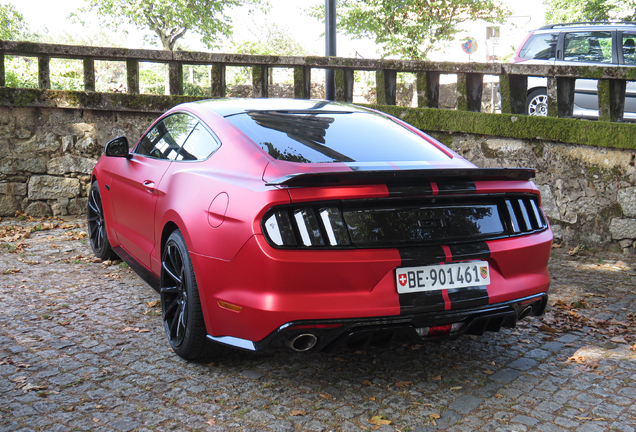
<point>442,276</point>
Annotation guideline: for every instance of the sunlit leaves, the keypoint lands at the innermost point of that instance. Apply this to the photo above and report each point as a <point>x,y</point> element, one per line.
<point>170,20</point>
<point>411,29</point>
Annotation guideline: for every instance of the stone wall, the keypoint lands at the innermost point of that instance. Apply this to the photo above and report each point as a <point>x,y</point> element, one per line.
<point>46,156</point>
<point>588,193</point>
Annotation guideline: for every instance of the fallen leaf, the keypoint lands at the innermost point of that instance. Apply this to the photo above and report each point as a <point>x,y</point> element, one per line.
<point>403,384</point>
<point>325,395</point>
<point>437,378</point>
<point>456,388</point>
<point>211,422</point>
<point>129,329</point>
<point>434,416</point>
<point>297,412</point>
<point>153,303</point>
<point>379,420</point>
<point>547,328</point>
<point>367,382</point>
<point>499,396</point>
<point>488,372</point>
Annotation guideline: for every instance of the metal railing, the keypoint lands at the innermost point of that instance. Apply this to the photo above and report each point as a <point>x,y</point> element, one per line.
<point>470,76</point>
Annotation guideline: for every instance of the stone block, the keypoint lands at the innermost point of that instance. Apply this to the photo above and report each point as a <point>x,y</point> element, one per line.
<point>19,189</point>
<point>77,206</point>
<point>70,164</point>
<point>38,209</point>
<point>9,205</point>
<point>13,165</point>
<point>627,200</point>
<point>49,187</point>
<point>623,228</point>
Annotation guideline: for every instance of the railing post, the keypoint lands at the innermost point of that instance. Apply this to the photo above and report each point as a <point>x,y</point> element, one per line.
<point>514,91</point>
<point>385,86</point>
<point>2,79</point>
<point>470,87</point>
<point>132,76</point>
<point>217,80</point>
<point>89,74</point>
<point>561,96</point>
<point>44,76</point>
<point>427,86</point>
<point>302,82</point>
<point>260,85</point>
<point>344,85</point>
<point>611,99</point>
<point>175,81</point>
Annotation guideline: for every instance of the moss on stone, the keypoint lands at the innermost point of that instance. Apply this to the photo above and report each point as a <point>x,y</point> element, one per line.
<point>572,131</point>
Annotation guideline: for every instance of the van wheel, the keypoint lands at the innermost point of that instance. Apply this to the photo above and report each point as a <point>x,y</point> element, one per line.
<point>537,103</point>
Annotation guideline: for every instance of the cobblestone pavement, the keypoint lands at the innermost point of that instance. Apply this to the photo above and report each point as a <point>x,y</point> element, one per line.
<point>83,348</point>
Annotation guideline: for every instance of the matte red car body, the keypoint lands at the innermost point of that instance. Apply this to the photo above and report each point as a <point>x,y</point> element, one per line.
<point>219,203</point>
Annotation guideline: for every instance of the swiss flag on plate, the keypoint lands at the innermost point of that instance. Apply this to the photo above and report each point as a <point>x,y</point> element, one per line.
<point>402,279</point>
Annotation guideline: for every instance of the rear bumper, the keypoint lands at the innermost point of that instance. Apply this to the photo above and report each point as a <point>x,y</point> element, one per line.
<point>364,333</point>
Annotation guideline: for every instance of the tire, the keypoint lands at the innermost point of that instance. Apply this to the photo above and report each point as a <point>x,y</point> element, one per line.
<point>97,225</point>
<point>537,103</point>
<point>180,303</point>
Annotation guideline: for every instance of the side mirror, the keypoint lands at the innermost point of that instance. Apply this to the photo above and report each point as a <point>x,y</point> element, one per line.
<point>118,147</point>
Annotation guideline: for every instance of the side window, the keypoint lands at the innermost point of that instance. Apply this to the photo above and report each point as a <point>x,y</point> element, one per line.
<point>591,47</point>
<point>540,47</point>
<point>165,139</point>
<point>199,145</point>
<point>629,48</point>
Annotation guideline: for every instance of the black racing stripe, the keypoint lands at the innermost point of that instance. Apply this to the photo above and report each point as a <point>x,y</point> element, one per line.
<point>411,189</point>
<point>426,301</point>
<point>469,297</point>
<point>418,256</point>
<point>478,250</point>
<point>456,187</point>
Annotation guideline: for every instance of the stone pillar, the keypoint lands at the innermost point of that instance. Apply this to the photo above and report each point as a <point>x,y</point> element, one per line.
<point>302,82</point>
<point>470,87</point>
<point>611,99</point>
<point>132,76</point>
<point>175,74</point>
<point>260,87</point>
<point>427,86</point>
<point>89,74</point>
<point>385,84</point>
<point>217,80</point>
<point>344,85</point>
<point>44,77</point>
<point>514,92</point>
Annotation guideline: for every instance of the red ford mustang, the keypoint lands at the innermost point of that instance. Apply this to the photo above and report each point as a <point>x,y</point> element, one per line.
<point>265,222</point>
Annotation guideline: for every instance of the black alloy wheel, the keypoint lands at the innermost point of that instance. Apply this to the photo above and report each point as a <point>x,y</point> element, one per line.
<point>180,304</point>
<point>97,225</point>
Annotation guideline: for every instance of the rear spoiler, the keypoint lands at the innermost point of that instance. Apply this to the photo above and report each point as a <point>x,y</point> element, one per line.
<point>337,178</point>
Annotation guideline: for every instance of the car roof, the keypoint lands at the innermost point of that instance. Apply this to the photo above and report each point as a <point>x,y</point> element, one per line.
<point>230,106</point>
<point>591,25</point>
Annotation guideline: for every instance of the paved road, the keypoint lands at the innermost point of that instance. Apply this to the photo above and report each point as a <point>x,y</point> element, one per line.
<point>83,348</point>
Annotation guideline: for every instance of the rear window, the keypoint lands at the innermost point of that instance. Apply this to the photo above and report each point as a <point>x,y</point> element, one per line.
<point>333,137</point>
<point>540,47</point>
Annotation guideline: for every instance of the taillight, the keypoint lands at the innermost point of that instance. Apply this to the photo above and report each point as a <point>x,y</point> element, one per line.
<point>308,226</point>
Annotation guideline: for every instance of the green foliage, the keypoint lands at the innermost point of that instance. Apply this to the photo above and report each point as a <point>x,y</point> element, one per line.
<point>21,72</point>
<point>12,23</point>
<point>564,11</point>
<point>411,29</point>
<point>169,20</point>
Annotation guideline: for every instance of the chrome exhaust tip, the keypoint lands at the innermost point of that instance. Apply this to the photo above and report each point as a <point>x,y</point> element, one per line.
<point>524,313</point>
<point>303,342</point>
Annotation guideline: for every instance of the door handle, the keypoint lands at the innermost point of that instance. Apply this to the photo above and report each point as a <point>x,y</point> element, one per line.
<point>149,185</point>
